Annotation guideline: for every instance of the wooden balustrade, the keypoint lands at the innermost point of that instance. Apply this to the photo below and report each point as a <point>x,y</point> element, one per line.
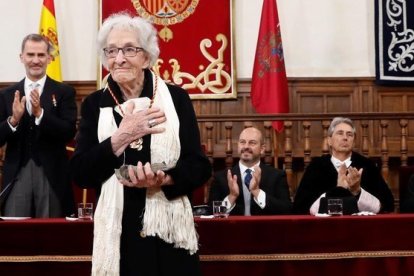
<point>381,136</point>
<point>404,149</point>
<point>384,148</point>
<point>306,148</point>
<point>325,146</point>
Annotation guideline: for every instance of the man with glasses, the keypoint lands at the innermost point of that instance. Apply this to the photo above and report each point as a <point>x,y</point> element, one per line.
<point>343,174</point>
<point>251,187</point>
<point>37,120</point>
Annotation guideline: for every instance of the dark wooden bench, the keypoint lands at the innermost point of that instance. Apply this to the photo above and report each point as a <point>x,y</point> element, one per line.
<point>406,187</point>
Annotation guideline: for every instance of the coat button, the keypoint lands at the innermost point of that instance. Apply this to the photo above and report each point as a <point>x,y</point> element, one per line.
<point>142,234</point>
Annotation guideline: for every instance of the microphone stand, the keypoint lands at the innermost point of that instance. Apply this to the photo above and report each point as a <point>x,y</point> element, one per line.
<point>4,192</point>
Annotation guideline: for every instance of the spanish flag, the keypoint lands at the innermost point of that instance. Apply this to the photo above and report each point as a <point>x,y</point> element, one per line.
<point>48,29</point>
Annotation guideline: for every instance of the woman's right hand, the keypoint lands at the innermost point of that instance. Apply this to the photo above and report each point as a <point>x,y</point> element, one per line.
<point>136,125</point>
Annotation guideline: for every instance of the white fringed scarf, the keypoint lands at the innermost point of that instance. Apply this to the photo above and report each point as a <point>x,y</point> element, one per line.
<point>170,220</point>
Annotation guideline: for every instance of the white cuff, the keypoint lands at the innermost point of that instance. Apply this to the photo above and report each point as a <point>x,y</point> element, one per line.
<point>261,199</point>
<point>10,125</point>
<point>368,202</point>
<point>38,120</point>
<point>315,206</point>
<point>227,202</point>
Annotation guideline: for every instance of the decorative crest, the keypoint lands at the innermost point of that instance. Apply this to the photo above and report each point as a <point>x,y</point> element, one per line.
<point>165,13</point>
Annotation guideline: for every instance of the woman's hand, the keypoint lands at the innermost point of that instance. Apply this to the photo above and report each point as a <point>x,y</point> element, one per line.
<point>144,177</point>
<point>136,125</point>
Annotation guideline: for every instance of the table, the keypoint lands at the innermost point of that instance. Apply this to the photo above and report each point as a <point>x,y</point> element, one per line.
<point>268,245</point>
<point>45,247</point>
<point>306,245</point>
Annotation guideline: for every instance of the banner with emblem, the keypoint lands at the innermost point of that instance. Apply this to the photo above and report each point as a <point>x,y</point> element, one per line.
<point>394,30</point>
<point>270,93</point>
<point>195,39</point>
<point>48,29</point>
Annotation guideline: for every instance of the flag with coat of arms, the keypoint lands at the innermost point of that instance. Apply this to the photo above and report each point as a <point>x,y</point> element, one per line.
<point>269,91</point>
<point>48,29</point>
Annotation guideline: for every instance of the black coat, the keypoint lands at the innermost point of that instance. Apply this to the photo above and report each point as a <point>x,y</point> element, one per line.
<point>321,177</point>
<point>45,143</point>
<point>273,183</point>
<point>93,163</point>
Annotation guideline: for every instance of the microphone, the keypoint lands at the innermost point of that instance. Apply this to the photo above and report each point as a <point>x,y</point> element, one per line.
<point>8,186</point>
<point>3,193</point>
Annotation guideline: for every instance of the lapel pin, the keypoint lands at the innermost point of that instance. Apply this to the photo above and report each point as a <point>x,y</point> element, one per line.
<point>54,100</point>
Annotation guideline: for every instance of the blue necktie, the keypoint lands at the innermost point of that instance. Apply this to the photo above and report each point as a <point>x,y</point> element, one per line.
<point>248,178</point>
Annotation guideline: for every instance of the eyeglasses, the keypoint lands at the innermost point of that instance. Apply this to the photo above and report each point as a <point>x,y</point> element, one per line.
<point>129,51</point>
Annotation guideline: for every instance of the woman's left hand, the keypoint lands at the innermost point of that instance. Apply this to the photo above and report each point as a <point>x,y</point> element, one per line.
<point>144,177</point>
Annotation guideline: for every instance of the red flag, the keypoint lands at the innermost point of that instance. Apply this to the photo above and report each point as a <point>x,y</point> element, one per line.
<point>269,92</point>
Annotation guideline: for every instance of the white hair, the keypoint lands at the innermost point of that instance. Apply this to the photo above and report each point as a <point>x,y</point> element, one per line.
<point>146,34</point>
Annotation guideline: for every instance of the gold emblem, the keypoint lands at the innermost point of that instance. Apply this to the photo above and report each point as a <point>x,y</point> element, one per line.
<point>213,76</point>
<point>51,36</point>
<point>165,13</point>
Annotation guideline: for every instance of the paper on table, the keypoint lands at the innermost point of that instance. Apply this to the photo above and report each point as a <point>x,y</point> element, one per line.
<point>72,218</point>
<point>322,215</point>
<point>364,213</point>
<point>14,218</point>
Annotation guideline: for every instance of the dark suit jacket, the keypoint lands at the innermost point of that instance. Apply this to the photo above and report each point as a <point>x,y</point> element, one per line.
<point>407,196</point>
<point>321,177</point>
<point>273,183</point>
<point>45,143</point>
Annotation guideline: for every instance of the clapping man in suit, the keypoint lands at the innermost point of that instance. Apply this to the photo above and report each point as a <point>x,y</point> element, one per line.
<point>37,119</point>
<point>345,174</point>
<point>251,187</point>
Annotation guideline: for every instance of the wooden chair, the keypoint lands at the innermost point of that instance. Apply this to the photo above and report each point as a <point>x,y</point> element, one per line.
<point>200,195</point>
<point>80,194</point>
<point>406,188</point>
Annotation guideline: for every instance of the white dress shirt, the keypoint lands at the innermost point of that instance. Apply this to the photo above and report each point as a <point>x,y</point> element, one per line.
<point>261,198</point>
<point>29,85</point>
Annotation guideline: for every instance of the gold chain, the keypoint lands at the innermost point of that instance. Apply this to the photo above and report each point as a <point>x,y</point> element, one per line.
<point>137,144</point>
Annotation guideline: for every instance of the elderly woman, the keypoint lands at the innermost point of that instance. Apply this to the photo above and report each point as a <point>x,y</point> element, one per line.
<point>143,222</point>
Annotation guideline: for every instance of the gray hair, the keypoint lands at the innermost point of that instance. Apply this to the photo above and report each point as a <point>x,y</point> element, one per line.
<point>340,120</point>
<point>146,33</point>
<point>37,38</point>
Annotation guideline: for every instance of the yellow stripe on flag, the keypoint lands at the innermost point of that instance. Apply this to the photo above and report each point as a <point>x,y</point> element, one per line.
<point>48,29</point>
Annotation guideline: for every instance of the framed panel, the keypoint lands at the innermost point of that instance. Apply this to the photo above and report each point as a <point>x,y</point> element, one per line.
<point>195,39</point>
<point>394,29</point>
